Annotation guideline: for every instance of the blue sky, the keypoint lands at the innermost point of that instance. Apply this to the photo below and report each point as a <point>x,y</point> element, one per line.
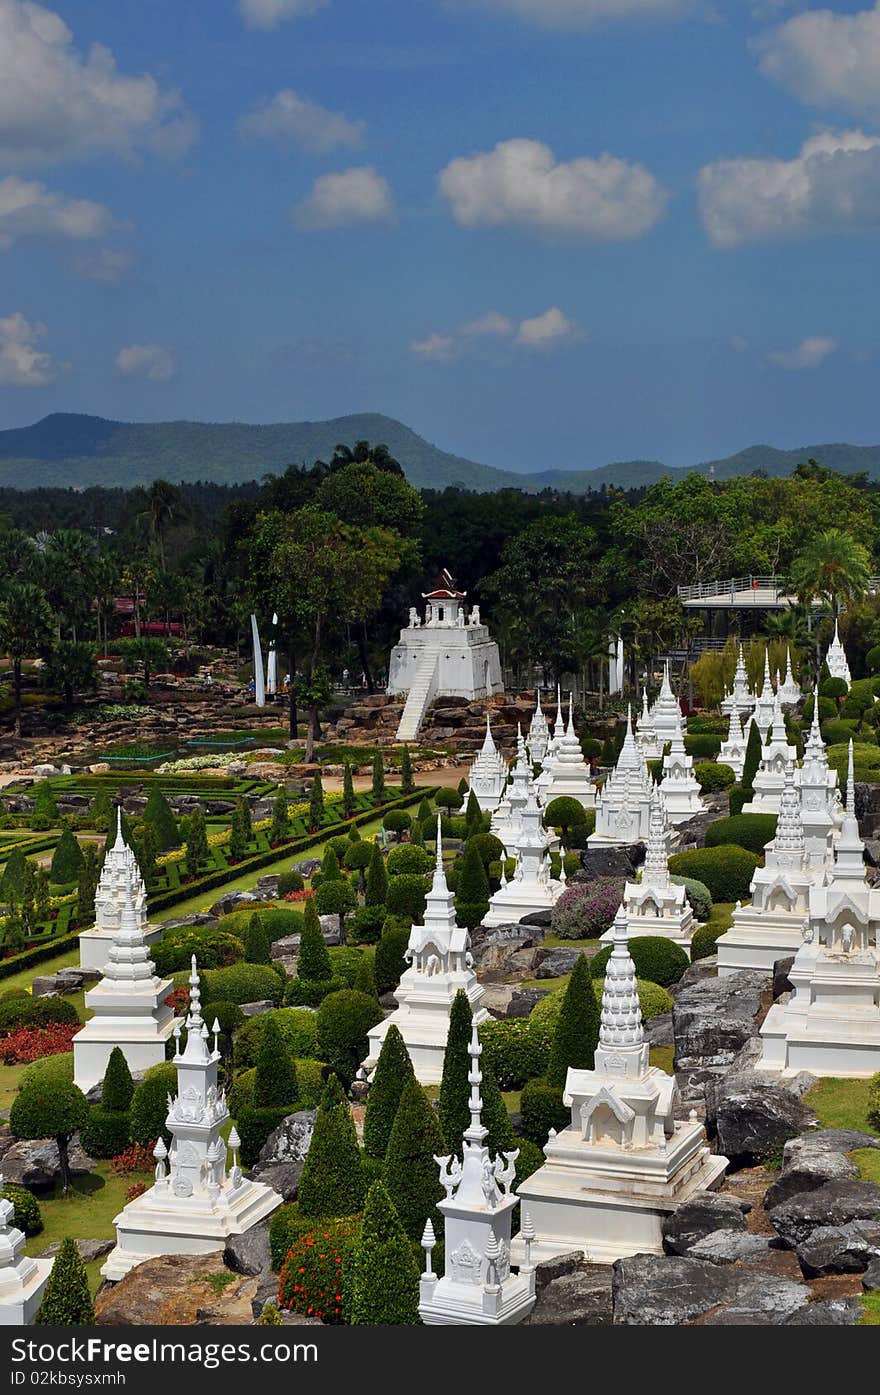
<point>542,232</point>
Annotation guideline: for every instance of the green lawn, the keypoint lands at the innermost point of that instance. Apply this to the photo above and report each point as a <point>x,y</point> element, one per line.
<point>841,1104</point>
<point>10,1079</point>
<point>86,1213</point>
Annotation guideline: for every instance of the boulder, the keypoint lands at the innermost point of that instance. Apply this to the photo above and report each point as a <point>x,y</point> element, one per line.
<point>248,1253</point>
<point>754,1119</point>
<point>829,1312</point>
<point>497,998</point>
<point>88,1249</point>
<point>307,866</point>
<point>699,1216</point>
<point>523,1000</point>
<point>658,1030</point>
<point>844,1249</point>
<point>231,901</point>
<point>695,973</point>
<point>713,1018</point>
<point>556,962</point>
<point>44,986</point>
<point>834,1204</point>
<point>286,947</point>
<point>267,887</point>
<point>662,1291</point>
<point>609,862</point>
<point>35,1163</point>
<point>730,1246</point>
<point>580,1298</point>
<point>544,919</point>
<point>491,949</point>
<point>808,1163</point>
<point>282,1177</point>
<point>257,1008</point>
<point>871,1276</point>
<point>203,918</point>
<point>781,981</point>
<point>556,1266</point>
<point>289,1143</point>
<point>177,1291</point>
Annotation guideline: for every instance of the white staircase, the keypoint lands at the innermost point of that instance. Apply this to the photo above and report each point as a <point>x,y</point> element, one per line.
<point>419,698</point>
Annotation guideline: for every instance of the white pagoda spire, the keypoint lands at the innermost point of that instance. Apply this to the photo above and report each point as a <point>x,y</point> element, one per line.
<point>655,871</point>
<point>488,774</point>
<point>836,660</point>
<point>789,835</point>
<point>622,1048</point>
<point>849,863</point>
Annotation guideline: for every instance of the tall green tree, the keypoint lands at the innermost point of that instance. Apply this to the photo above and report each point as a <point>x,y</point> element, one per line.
<point>26,631</point>
<point>410,1173</point>
<point>67,1301</point>
<point>393,1070</point>
<point>577,1029</point>
<point>385,1282</point>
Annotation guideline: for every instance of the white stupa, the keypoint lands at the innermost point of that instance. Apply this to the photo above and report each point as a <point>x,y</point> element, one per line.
<point>789,692</point>
<point>831,1024</point>
<point>623,805</point>
<point>654,905</point>
<point>531,888</point>
<point>128,1008</point>
<point>769,777</point>
<point>538,738</point>
<point>733,749</point>
<point>741,699</point>
<point>120,881</point>
<point>625,1161</point>
<point>765,705</point>
<point>196,1209</point>
<point>506,817</point>
<point>770,926</point>
<point>821,807</point>
<point>554,738</point>
<point>22,1280</point>
<point>440,964</point>
<point>836,660</point>
<point>569,773</point>
<point>488,774</point>
<point>646,737</point>
<point>666,712</point>
<point>478,1286</point>
<point>679,786</point>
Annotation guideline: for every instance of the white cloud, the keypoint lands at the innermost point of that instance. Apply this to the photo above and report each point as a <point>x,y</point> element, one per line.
<point>357,195</point>
<point>826,59</point>
<point>581,14</point>
<point>267,14</point>
<point>544,330</point>
<point>436,348</point>
<point>289,117</point>
<point>521,182</point>
<point>21,363</point>
<point>832,185</point>
<point>490,323</point>
<point>58,104</point>
<point>107,264</point>
<point>146,361</point>
<point>739,344</point>
<point>807,354</point>
<point>29,209</point>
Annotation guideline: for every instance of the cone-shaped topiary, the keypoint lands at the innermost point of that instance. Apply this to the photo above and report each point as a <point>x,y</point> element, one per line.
<point>196,841</point>
<point>378,788</point>
<point>313,961</point>
<point>463,787</point>
<point>12,881</point>
<point>316,803</point>
<point>240,830</point>
<point>45,806</point>
<point>424,811</point>
<point>385,1279</point>
<point>410,1172</point>
<point>393,1071</point>
<point>159,814</point>
<point>472,899</point>
<point>257,945</point>
<point>348,804</point>
<point>754,750</point>
<point>332,1182</point>
<point>279,829</point>
<point>577,1030</point>
<point>454,1089</point>
<point>275,1082</point>
<point>67,859</point>
<point>377,879</point>
<point>117,1090</point>
<point>102,811</point>
<point>66,1298</point>
<point>330,866</point>
<point>416,835</point>
<point>473,813</point>
<point>500,1136</point>
<point>365,978</point>
<point>406,772</point>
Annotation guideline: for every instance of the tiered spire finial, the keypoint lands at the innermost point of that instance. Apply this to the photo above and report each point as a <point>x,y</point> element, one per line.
<point>621,1021</point>
<point>656,871</point>
<point>476,1131</point>
<point>789,826</point>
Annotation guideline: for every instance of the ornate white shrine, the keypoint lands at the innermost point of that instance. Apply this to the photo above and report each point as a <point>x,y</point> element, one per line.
<point>741,699</point>
<point>128,1008</point>
<point>765,705</point>
<point>506,818</point>
<point>623,805</point>
<point>646,737</point>
<point>22,1280</point>
<point>770,926</point>
<point>568,772</point>
<point>836,660</point>
<point>776,755</point>
<point>531,888</point>
<point>821,806</point>
<point>733,749</point>
<point>679,785</point>
<point>439,965</point>
<point>195,1203</point>
<point>788,691</point>
<point>625,1161</point>
<point>655,905</point>
<point>666,715</point>
<point>119,882</point>
<point>488,774</point>
<point>478,1286</point>
<point>538,738</point>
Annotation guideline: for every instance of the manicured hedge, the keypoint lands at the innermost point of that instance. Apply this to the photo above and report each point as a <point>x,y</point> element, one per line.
<point>516,1049</point>
<point>656,959</point>
<point>705,940</point>
<point>714,775</point>
<point>750,831</point>
<point>727,870</point>
<point>242,983</point>
<point>298,1028</point>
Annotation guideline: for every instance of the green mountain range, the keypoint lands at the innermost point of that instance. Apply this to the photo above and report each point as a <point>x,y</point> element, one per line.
<point>73,450</point>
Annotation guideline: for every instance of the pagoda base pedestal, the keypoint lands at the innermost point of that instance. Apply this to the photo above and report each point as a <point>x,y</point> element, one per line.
<point>825,1043</point>
<point>751,947</point>
<point>94,945</point>
<point>424,1030</point>
<point>451,1303</point>
<point>93,1045</point>
<point>19,1302</point>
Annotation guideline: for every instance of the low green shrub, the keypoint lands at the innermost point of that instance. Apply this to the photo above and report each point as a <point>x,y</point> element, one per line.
<point>515,1049</point>
<point>213,948</point>
<point>107,1133</point>
<point>149,1106</point>
<point>656,959</point>
<point>653,1000</point>
<point>26,1216</point>
<point>36,1012</point>
<point>541,1109</point>
<point>751,831</point>
<point>243,983</point>
<point>342,1022</point>
<point>698,895</point>
<point>310,992</point>
<point>310,1077</point>
<point>835,733</point>
<point>874,1101</point>
<point>278,921</point>
<point>727,870</point>
<point>712,775</point>
<point>702,745</point>
<point>366,923</point>
<point>705,940</point>
<point>298,1032</point>
<point>408,858</point>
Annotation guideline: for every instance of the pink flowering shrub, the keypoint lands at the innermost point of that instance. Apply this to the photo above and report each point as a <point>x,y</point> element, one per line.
<point>583,912</point>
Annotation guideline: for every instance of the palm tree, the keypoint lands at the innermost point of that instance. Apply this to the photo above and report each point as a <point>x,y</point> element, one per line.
<point>791,625</point>
<point>833,567</point>
<point>163,507</point>
<point>27,627</point>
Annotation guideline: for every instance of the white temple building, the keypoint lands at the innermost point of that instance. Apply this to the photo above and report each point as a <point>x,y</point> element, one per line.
<point>733,749</point>
<point>531,888</point>
<point>568,772</point>
<point>195,1209</point>
<point>538,738</point>
<point>128,1008</point>
<point>507,816</point>
<point>655,905</point>
<point>478,1286</point>
<point>22,1280</point>
<point>647,740</point>
<point>741,699</point>
<point>770,926</point>
<point>765,705</point>
<point>120,882</point>
<point>788,691</point>
<point>439,965</point>
<point>448,654</point>
<point>821,806</point>
<point>836,660</point>
<point>769,778</point>
<point>666,715</point>
<point>831,1024</point>
<point>679,785</point>
<point>554,738</point>
<point>623,805</point>
<point>488,773</point>
<point>614,1174</point>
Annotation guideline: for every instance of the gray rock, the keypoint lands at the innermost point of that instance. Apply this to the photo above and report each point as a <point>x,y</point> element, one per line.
<point>699,1216</point>
<point>289,1143</point>
<point>753,1119</point>
<point>257,1008</point>
<point>544,919</point>
<point>658,1030</point>
<point>44,986</point>
<point>697,973</point>
<point>282,1177</point>
<point>307,866</point>
<point>730,1246</point>
<point>845,1249</point>
<point>35,1164</point>
<point>781,981</point>
<point>662,1291</point>
<point>496,998</point>
<point>203,918</point>
<point>829,1312</point>
<point>609,862</point>
<point>834,1204</point>
<point>286,947</point>
<point>808,1163</point>
<point>267,887</point>
<point>88,1249</point>
<point>557,1265</point>
<point>267,1292</point>
<point>248,1253</point>
<point>713,1018</point>
<point>491,949</point>
<point>581,1298</point>
<point>557,962</point>
<point>523,1000</point>
<point>871,1276</point>
<point>231,902</point>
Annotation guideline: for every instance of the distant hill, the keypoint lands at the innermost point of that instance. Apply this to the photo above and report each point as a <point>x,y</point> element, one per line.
<point>69,449</point>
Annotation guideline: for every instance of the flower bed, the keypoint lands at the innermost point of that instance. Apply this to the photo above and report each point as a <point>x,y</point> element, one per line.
<point>27,1044</point>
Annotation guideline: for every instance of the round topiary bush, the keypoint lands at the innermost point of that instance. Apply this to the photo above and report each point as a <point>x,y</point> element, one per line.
<point>712,775</point>
<point>489,848</point>
<point>408,858</point>
<point>704,941</point>
<point>834,733</point>
<point>26,1217</point>
<point>698,895</point>
<point>213,948</point>
<point>342,1023</point>
<point>278,921</point>
<point>149,1105</point>
<point>309,992</point>
<point>866,762</point>
<point>515,1049</point>
<point>448,799</point>
<point>106,1133</point>
<point>585,911</point>
<point>750,831</point>
<point>36,1012</point>
<point>298,1028</point>
<point>365,925</point>
<point>833,688</point>
<point>657,960</point>
<point>653,1000</point>
<point>702,745</point>
<point>290,882</point>
<point>243,983</point>
<point>727,870</point>
<point>310,1076</point>
<point>406,895</point>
